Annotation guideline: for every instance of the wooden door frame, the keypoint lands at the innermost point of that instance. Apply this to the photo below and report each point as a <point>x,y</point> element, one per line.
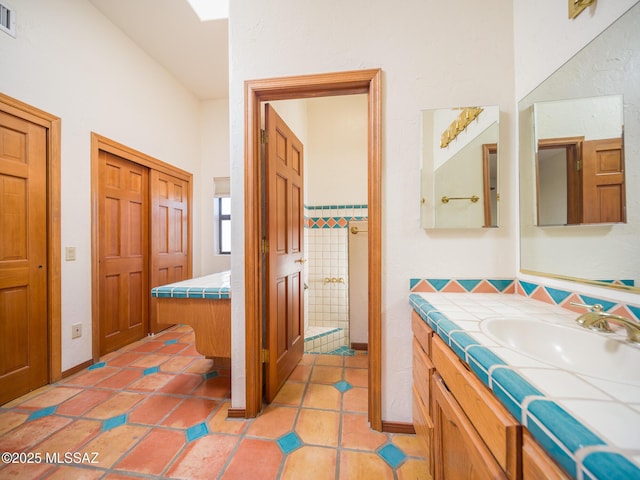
<point>100,143</point>
<point>573,148</point>
<point>298,87</point>
<point>52,124</point>
<point>487,150</point>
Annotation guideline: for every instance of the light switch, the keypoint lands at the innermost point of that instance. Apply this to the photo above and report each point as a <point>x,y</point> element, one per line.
<point>70,254</point>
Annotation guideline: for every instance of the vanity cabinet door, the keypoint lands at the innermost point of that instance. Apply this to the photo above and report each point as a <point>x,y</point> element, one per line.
<point>536,463</point>
<point>424,428</point>
<point>459,452</point>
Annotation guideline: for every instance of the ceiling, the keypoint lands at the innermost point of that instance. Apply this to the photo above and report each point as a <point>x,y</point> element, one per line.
<point>194,52</point>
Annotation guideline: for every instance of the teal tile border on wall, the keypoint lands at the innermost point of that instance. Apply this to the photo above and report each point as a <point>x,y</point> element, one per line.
<point>537,291</point>
<point>333,216</point>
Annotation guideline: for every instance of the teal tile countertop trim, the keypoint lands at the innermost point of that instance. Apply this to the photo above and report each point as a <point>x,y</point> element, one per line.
<point>573,444</point>
<point>215,286</point>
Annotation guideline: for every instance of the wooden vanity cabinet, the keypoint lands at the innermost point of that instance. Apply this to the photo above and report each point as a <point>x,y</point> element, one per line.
<point>536,463</point>
<point>422,374</point>
<point>466,432</point>
<point>464,429</point>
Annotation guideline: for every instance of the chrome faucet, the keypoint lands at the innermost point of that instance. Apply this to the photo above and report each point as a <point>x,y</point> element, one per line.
<point>597,319</point>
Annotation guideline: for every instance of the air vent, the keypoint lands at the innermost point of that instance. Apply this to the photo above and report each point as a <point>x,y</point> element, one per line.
<point>7,20</point>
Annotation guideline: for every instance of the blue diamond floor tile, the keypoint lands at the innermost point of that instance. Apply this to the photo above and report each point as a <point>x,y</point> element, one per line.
<point>114,422</point>
<point>197,431</point>
<point>392,455</point>
<point>43,412</point>
<point>289,442</point>
<point>97,365</point>
<point>171,342</point>
<point>343,386</point>
<point>151,370</point>
<point>209,375</point>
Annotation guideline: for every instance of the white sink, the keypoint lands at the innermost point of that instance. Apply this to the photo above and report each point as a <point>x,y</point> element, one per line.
<point>574,349</point>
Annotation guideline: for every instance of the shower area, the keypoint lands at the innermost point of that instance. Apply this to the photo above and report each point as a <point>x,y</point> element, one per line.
<point>336,274</point>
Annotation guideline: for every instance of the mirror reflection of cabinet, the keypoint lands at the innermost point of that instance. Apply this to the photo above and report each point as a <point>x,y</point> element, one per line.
<point>580,174</point>
<point>459,176</point>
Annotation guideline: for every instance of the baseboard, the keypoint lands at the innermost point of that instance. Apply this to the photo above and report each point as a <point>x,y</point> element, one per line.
<point>360,346</point>
<point>77,368</point>
<point>236,413</point>
<point>398,427</point>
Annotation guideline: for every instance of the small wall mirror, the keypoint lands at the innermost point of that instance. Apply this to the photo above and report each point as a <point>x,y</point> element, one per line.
<point>459,176</point>
<point>579,161</point>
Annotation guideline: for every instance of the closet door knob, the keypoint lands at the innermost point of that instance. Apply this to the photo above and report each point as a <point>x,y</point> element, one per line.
<point>301,261</point>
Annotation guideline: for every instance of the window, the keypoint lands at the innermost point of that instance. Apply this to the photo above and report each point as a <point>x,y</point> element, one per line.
<point>223,215</point>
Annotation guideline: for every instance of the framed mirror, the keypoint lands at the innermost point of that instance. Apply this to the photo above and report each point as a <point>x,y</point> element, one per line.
<point>459,175</point>
<point>586,244</point>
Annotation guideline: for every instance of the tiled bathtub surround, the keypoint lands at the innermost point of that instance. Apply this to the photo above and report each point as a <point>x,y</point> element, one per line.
<point>589,425</point>
<point>323,339</point>
<point>327,272</point>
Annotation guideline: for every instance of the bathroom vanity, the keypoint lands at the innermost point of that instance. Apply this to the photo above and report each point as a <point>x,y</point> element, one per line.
<point>486,409</point>
<point>203,303</point>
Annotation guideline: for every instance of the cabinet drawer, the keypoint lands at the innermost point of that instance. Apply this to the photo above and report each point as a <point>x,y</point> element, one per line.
<point>422,371</point>
<point>497,427</point>
<point>424,429</point>
<point>421,331</point>
<point>536,463</point>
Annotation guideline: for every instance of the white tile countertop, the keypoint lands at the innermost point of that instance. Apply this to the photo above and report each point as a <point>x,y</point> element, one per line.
<point>589,423</point>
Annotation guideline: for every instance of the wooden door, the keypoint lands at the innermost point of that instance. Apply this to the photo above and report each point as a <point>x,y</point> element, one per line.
<point>169,238</point>
<point>123,251</point>
<point>23,257</point>
<point>603,181</point>
<point>459,451</point>
<point>285,239</point>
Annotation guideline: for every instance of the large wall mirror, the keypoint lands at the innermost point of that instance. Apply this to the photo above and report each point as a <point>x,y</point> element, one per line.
<point>459,179</point>
<point>580,164</point>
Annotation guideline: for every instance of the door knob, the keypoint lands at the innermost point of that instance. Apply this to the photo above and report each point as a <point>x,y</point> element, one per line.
<point>301,260</point>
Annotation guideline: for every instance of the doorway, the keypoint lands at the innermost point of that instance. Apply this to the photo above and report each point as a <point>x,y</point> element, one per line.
<point>30,352</point>
<point>367,82</point>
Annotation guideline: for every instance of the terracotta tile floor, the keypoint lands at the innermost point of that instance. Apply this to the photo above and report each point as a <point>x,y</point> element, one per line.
<point>158,409</point>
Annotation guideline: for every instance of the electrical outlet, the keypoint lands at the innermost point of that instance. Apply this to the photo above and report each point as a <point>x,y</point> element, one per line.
<point>76,330</point>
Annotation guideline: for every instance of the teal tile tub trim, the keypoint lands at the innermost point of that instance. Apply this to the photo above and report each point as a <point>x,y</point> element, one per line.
<point>562,436</point>
<point>323,334</point>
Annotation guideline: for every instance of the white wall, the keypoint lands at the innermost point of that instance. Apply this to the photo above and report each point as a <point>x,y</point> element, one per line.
<point>214,135</point>
<point>432,54</point>
<point>68,60</point>
<point>545,38</point>
<point>336,160</point>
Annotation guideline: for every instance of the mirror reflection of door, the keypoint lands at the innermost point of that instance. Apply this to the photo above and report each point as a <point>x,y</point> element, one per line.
<point>490,183</point>
<point>580,181</point>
